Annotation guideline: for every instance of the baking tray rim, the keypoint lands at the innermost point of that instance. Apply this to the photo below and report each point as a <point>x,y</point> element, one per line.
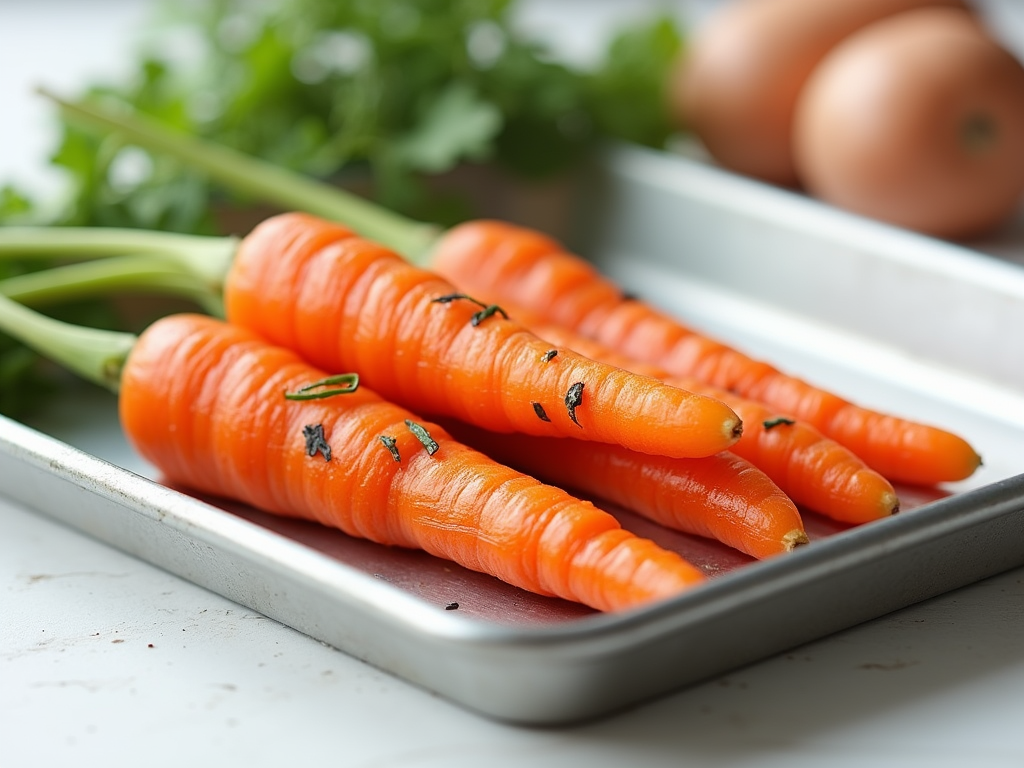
<point>722,593</point>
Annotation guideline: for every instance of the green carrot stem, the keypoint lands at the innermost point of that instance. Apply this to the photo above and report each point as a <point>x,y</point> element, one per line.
<point>91,279</point>
<point>207,258</point>
<point>95,355</point>
<point>258,178</point>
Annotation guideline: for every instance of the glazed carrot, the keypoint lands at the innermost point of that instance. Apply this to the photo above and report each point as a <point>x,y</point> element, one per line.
<point>501,262</point>
<point>207,404</point>
<point>816,472</point>
<point>344,303</point>
<point>722,497</point>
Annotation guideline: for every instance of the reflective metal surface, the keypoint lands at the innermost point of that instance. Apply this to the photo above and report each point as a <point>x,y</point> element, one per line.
<point>866,310</point>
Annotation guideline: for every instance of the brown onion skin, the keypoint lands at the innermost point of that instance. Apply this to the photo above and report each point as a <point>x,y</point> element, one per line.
<point>737,84</point>
<point>917,120</point>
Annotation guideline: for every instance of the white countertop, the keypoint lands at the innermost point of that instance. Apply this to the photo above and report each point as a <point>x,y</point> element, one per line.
<point>107,661</point>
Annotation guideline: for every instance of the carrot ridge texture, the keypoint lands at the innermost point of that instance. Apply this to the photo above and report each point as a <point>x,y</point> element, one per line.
<point>721,497</point>
<point>203,401</point>
<point>505,263</point>
<point>816,472</point>
<point>344,303</point>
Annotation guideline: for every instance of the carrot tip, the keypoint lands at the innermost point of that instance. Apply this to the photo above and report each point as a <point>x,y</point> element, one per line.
<point>891,504</point>
<point>735,431</point>
<point>794,539</point>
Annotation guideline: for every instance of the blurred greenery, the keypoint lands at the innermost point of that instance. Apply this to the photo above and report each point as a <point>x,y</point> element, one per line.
<point>394,91</point>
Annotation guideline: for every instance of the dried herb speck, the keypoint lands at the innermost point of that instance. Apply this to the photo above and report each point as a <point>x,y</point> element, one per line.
<point>448,298</point>
<point>486,312</point>
<point>392,445</point>
<point>452,607</point>
<point>539,410</point>
<point>478,317</point>
<point>549,356</point>
<point>423,436</point>
<point>316,441</point>
<point>573,398</point>
<point>778,421</point>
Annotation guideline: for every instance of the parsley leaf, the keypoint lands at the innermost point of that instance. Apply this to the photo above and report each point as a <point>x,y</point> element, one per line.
<point>458,125</point>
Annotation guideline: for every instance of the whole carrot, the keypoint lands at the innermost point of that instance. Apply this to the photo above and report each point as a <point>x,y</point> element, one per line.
<point>508,263</point>
<point>816,472</point>
<point>219,410</point>
<point>721,497</point>
<point>344,303</point>
<point>502,262</point>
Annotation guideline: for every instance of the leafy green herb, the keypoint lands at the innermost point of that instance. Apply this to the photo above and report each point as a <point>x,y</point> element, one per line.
<point>342,384</point>
<point>627,95</point>
<point>381,96</point>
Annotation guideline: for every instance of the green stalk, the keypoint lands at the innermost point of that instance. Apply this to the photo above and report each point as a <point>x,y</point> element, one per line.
<point>206,258</point>
<point>95,355</point>
<point>260,179</point>
<point>90,279</point>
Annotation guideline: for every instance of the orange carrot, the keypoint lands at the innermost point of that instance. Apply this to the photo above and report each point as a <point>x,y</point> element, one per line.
<point>816,472</point>
<point>205,402</point>
<point>217,409</point>
<point>722,497</point>
<point>344,303</point>
<point>504,263</point>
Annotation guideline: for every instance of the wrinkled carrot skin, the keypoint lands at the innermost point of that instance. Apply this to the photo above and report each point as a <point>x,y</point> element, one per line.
<point>721,497</point>
<point>344,303</point>
<point>505,263</point>
<point>816,472</point>
<point>204,402</point>
<point>820,474</point>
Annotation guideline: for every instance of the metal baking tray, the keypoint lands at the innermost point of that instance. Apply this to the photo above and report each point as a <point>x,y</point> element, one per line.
<point>892,320</point>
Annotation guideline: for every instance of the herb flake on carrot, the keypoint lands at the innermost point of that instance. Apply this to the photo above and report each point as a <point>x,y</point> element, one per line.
<point>316,441</point>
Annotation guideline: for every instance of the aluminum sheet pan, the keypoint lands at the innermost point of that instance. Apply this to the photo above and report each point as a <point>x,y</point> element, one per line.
<point>762,268</point>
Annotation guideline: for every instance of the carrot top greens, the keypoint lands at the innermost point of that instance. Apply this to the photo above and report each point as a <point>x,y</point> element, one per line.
<point>391,92</point>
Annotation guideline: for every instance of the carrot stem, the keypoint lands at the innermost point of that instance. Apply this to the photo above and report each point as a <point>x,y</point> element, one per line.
<point>97,278</point>
<point>206,257</point>
<point>253,176</point>
<point>94,354</point>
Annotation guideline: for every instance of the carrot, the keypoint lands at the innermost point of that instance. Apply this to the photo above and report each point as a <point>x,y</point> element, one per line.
<point>344,303</point>
<point>721,497</point>
<point>504,263</point>
<point>816,472</point>
<point>206,403</point>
